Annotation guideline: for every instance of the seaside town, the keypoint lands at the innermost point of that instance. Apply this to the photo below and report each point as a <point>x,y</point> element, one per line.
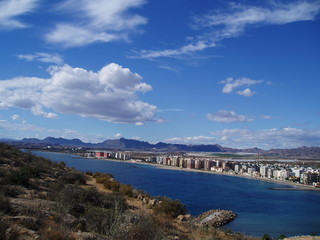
<point>279,171</point>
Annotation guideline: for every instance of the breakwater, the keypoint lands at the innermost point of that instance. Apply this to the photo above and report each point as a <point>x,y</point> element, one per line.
<point>215,218</point>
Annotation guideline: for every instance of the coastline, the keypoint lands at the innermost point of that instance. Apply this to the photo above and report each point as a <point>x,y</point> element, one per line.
<point>298,186</point>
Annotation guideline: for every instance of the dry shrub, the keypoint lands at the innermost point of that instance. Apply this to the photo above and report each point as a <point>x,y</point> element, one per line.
<point>4,204</point>
<point>126,190</point>
<point>172,208</point>
<point>54,231</point>
<point>145,228</point>
<point>10,190</point>
<point>102,177</point>
<point>112,185</point>
<point>74,178</point>
<point>3,228</point>
<point>102,221</point>
<point>20,176</point>
<point>212,233</point>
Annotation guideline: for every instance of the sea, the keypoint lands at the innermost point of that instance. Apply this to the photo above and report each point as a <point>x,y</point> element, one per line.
<point>260,210</point>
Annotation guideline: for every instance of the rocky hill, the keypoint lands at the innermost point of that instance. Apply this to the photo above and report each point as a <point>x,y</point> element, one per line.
<point>43,200</point>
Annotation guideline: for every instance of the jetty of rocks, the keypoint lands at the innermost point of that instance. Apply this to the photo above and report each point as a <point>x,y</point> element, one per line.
<point>215,218</point>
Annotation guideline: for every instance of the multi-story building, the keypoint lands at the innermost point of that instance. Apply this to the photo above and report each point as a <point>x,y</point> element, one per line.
<point>237,168</point>
<point>207,164</point>
<point>263,171</point>
<point>191,163</point>
<point>311,178</point>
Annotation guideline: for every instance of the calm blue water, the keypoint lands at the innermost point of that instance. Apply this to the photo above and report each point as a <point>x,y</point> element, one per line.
<point>259,209</point>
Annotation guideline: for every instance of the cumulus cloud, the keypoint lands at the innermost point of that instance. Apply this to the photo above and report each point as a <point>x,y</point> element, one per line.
<point>234,20</point>
<point>228,116</point>
<point>12,9</point>
<point>96,21</point>
<point>42,57</point>
<point>110,94</point>
<point>230,84</point>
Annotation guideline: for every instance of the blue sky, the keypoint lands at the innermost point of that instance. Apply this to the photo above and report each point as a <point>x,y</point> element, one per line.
<point>236,73</point>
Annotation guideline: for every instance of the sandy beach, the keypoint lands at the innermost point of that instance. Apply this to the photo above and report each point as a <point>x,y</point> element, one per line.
<point>297,186</point>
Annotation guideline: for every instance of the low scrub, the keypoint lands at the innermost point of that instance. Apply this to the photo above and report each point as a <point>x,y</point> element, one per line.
<point>54,231</point>
<point>21,176</point>
<point>172,208</point>
<point>74,178</point>
<point>10,190</point>
<point>126,189</point>
<point>4,204</point>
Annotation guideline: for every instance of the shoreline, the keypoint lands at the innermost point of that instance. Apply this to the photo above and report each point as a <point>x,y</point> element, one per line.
<point>298,186</point>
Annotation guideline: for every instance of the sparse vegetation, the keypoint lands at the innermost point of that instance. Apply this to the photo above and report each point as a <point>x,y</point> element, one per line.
<point>172,208</point>
<point>44,200</point>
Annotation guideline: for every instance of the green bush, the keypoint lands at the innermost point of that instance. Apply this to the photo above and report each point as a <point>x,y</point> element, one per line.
<point>20,176</point>
<point>126,189</point>
<point>266,237</point>
<point>172,208</point>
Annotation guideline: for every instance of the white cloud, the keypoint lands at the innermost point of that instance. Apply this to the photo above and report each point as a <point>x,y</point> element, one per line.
<point>118,135</point>
<point>171,110</point>
<point>37,110</point>
<point>267,117</point>
<point>12,9</point>
<point>269,138</point>
<point>228,116</point>
<point>239,17</point>
<point>42,57</point>
<point>139,123</point>
<point>246,92</point>
<point>265,139</point>
<point>15,117</point>
<point>230,84</point>
<point>96,21</point>
<point>110,94</point>
<point>191,140</point>
<point>184,50</point>
<point>233,21</point>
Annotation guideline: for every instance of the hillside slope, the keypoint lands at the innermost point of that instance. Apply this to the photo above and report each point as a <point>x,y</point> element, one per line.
<point>43,200</point>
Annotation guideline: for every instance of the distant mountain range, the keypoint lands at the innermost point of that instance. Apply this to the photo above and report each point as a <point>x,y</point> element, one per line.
<point>120,144</point>
<point>130,144</point>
